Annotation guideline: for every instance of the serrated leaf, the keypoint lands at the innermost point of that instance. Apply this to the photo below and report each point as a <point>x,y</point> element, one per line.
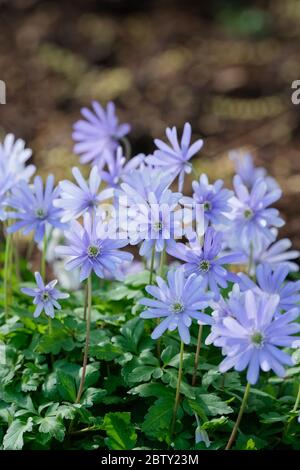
<point>152,390</point>
<point>105,351</point>
<point>52,425</point>
<point>13,439</point>
<point>212,405</point>
<point>120,431</point>
<point>158,418</point>
<point>66,386</point>
<point>144,373</point>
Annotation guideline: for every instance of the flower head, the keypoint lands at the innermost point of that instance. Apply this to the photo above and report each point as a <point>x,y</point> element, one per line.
<point>154,216</point>
<point>174,158</point>
<point>251,336</point>
<point>215,200</point>
<point>34,207</point>
<point>118,168</point>
<point>248,173</point>
<point>273,281</point>
<point>13,157</point>
<point>75,199</point>
<point>98,136</point>
<point>45,296</point>
<point>178,301</point>
<point>207,260</point>
<point>252,216</point>
<point>91,249</point>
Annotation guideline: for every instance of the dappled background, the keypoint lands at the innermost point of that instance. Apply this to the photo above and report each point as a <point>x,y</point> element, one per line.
<point>225,66</point>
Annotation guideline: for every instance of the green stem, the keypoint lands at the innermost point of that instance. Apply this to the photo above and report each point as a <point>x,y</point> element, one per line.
<point>198,349</point>
<point>17,257</point>
<point>87,340</point>
<point>152,265</point>
<point>162,262</point>
<point>6,273</point>
<point>295,408</point>
<point>177,396</point>
<point>127,147</point>
<point>43,260</point>
<point>85,300</point>
<point>239,418</point>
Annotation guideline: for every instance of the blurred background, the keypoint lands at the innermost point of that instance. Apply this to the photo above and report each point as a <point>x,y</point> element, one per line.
<point>225,66</point>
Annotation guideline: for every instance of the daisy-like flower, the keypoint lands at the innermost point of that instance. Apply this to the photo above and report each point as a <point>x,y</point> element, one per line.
<point>154,216</point>
<point>91,249</point>
<point>247,171</point>
<point>97,137</point>
<point>251,337</point>
<point>13,157</point>
<point>273,281</point>
<point>6,183</point>
<point>74,199</point>
<point>214,198</point>
<point>34,207</point>
<point>252,216</point>
<point>275,254</point>
<point>45,296</point>
<point>174,158</point>
<point>178,301</point>
<point>119,169</point>
<point>207,261</point>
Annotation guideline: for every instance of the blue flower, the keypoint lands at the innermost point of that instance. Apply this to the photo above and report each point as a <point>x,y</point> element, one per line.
<point>119,169</point>
<point>251,336</point>
<point>34,207</point>
<point>154,216</point>
<point>272,281</point>
<point>207,260</point>
<point>215,200</point>
<point>91,249</point>
<point>75,200</point>
<point>177,301</point>
<point>248,173</point>
<point>45,296</point>
<point>98,136</point>
<point>252,216</point>
<point>275,254</point>
<point>175,158</point>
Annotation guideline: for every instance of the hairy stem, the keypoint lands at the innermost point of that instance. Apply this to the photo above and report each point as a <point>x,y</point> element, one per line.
<point>177,396</point>
<point>198,349</point>
<point>6,272</point>
<point>152,265</point>
<point>43,258</point>
<point>239,418</point>
<point>87,340</point>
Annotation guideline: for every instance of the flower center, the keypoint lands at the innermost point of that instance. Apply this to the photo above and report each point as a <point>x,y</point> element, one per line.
<point>45,296</point>
<point>40,213</point>
<point>204,266</point>
<point>157,226</point>
<point>248,213</point>
<point>207,206</point>
<point>257,338</point>
<point>93,251</point>
<point>177,307</point>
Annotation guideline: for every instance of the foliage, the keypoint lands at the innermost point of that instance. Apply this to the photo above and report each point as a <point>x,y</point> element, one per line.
<point>129,389</point>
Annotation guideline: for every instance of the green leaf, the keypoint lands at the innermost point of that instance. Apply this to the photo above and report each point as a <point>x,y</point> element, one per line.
<point>52,425</point>
<point>105,351</point>
<point>120,431</point>
<point>92,396</point>
<point>152,389</point>
<point>13,439</point>
<point>66,386</point>
<point>144,373</point>
<point>212,405</point>
<point>158,419</point>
